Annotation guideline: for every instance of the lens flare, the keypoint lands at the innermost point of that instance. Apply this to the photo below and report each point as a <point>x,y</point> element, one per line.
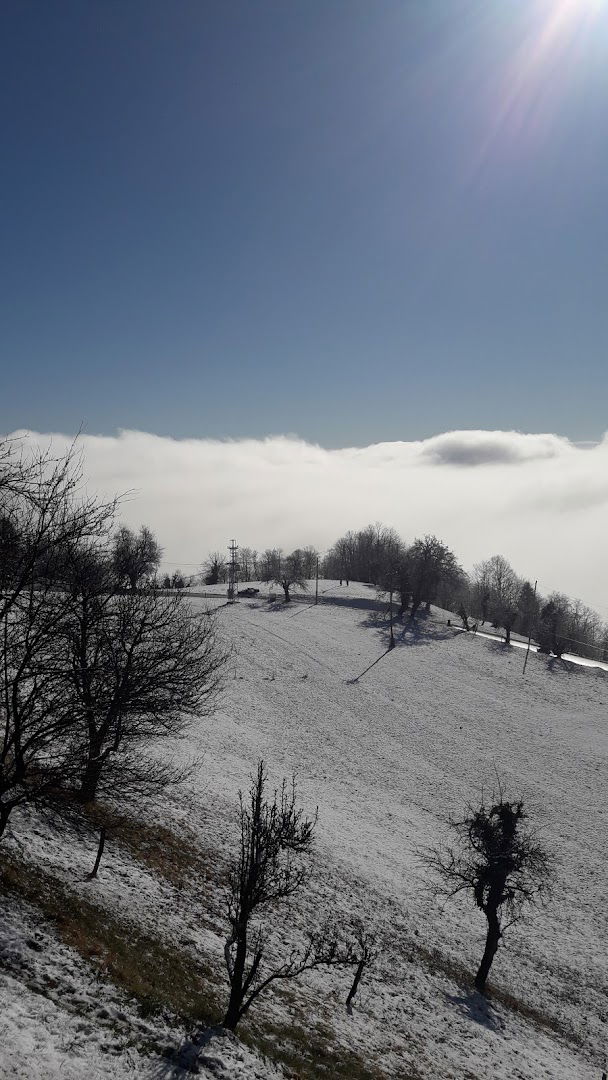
<point>565,20</point>
<point>554,47</point>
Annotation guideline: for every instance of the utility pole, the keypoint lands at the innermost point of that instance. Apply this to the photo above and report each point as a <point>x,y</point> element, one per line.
<point>233,571</point>
<point>317,583</point>
<point>391,643</point>
<point>529,635</point>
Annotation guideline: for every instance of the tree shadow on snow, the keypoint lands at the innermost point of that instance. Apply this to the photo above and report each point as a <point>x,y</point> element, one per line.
<point>363,603</point>
<point>556,665</point>
<point>501,647</point>
<point>418,631</point>
<point>476,1007</point>
<point>187,1058</point>
<point>276,606</point>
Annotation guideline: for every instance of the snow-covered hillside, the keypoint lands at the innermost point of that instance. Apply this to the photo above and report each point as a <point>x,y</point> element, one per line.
<point>387,756</point>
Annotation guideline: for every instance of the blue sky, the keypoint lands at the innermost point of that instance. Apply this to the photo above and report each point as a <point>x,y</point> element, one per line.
<point>354,221</point>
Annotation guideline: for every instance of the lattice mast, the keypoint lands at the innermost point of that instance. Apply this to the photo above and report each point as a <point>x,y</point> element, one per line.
<point>233,570</point>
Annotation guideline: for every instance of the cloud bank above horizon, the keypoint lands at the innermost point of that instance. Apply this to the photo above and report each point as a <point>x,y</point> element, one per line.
<point>538,499</point>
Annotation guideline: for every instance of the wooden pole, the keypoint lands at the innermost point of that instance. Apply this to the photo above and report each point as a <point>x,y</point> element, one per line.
<point>529,635</point>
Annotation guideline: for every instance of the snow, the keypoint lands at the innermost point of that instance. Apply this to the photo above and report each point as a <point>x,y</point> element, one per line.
<point>59,1019</point>
<point>571,658</point>
<point>387,756</point>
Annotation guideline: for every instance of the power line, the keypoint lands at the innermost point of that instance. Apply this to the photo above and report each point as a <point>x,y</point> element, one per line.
<point>172,562</point>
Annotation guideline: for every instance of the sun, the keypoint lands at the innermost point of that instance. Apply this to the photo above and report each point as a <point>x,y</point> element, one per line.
<point>564,22</point>
<point>558,41</point>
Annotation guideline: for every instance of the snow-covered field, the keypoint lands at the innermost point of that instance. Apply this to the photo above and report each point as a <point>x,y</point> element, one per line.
<point>387,756</point>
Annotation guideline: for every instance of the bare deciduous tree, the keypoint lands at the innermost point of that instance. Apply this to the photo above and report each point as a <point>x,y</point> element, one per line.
<point>214,569</point>
<point>136,556</point>
<point>289,574</point>
<point>142,664</point>
<point>499,585</point>
<point>42,512</point>
<point>36,749</point>
<point>367,950</point>
<point>269,564</point>
<point>430,564</point>
<point>500,863</point>
<point>42,509</point>
<point>276,841</point>
<point>309,557</point>
<point>248,559</point>
<point>362,555</point>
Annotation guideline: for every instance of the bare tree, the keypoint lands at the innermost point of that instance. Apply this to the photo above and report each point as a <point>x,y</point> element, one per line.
<point>340,559</point>
<point>498,582</point>
<point>430,564</point>
<point>289,574</point>
<point>552,624</point>
<point>10,552</point>
<point>276,840</point>
<point>141,664</point>
<point>214,570</point>
<point>367,950</point>
<point>248,563</point>
<point>37,722</point>
<point>394,572</point>
<point>269,564</point>
<point>584,628</point>
<point>500,863</point>
<point>42,508</point>
<point>363,555</point>
<point>42,512</point>
<point>528,609</point>
<point>136,556</point>
<point>309,557</point>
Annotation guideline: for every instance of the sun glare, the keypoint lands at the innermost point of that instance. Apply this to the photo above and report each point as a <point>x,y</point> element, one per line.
<point>557,44</point>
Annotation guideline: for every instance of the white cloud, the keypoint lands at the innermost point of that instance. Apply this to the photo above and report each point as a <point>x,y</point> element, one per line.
<point>540,500</point>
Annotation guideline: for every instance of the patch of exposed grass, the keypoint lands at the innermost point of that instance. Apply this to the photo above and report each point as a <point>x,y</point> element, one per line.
<point>150,970</point>
<point>549,1023</point>
<point>160,976</point>
<point>437,962</point>
<point>177,858</point>
<point>310,1052</point>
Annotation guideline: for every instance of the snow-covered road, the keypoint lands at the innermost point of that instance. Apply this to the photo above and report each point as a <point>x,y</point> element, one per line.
<point>571,658</point>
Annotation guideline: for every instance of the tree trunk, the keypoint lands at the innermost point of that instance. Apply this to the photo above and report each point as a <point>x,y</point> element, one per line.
<point>237,979</point>
<point>557,648</point>
<point>286,591</point>
<point>90,780</point>
<point>492,940</point>
<point>101,845</point>
<point>232,1016</point>
<point>507,635</point>
<point>355,986</point>
<point>5,811</point>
